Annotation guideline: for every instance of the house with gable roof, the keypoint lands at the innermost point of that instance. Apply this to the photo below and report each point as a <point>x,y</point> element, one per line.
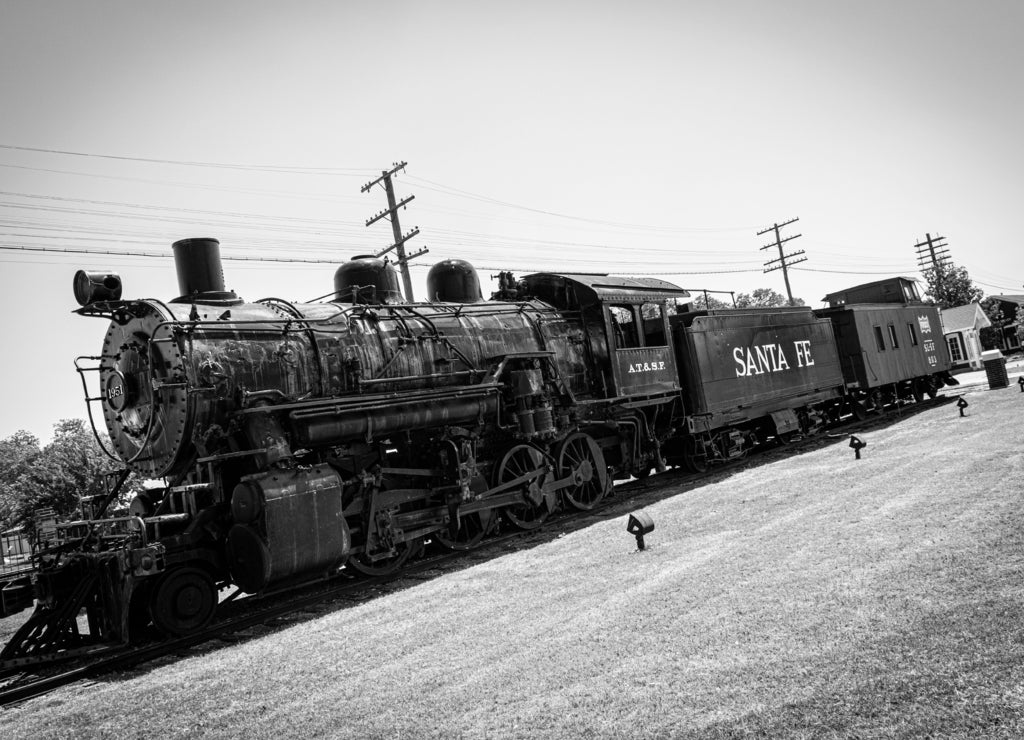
<point>1009,304</point>
<point>961,326</point>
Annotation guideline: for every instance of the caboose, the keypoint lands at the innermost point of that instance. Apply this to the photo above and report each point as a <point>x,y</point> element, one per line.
<point>889,342</point>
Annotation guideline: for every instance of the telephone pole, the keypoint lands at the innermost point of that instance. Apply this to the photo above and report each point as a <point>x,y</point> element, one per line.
<point>783,265</point>
<point>391,213</point>
<point>932,249</point>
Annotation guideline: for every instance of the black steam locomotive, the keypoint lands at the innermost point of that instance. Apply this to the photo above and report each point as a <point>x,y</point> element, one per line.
<point>291,441</point>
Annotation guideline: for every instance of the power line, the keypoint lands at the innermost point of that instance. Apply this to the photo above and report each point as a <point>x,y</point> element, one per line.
<point>146,207</point>
<point>643,227</point>
<point>1014,290</point>
<point>227,256</point>
<point>276,244</point>
<point>341,171</point>
<point>339,228</point>
<point>177,184</point>
<point>162,255</point>
<point>851,272</point>
<point>344,171</point>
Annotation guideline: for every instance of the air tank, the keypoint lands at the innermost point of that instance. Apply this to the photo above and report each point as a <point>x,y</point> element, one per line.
<point>366,279</point>
<point>453,281</point>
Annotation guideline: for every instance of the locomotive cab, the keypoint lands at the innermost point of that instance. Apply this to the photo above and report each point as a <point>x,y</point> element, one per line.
<point>627,332</point>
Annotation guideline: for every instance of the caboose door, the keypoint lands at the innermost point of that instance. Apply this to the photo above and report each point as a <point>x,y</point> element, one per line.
<point>641,356</point>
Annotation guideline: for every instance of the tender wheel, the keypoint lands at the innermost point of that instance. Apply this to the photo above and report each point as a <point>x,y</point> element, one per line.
<point>786,438</point>
<point>581,458</point>
<point>860,413</point>
<point>472,528</point>
<point>183,601</point>
<point>385,566</point>
<point>518,461</point>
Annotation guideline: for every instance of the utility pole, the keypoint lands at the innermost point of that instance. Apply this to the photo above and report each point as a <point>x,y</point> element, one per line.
<point>783,265</point>
<point>932,249</point>
<point>391,213</point>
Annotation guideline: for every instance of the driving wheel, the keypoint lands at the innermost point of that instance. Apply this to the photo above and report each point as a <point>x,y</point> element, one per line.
<point>519,461</point>
<point>580,458</point>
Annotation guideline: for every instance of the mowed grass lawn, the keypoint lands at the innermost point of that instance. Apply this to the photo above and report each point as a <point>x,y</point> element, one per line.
<point>818,596</point>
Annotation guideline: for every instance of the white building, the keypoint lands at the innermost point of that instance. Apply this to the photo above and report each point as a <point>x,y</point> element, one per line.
<point>962,327</point>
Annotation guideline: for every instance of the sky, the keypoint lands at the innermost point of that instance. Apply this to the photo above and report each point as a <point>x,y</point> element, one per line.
<point>632,137</point>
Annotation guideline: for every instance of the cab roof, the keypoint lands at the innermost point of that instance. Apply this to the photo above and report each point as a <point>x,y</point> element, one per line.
<point>590,288</point>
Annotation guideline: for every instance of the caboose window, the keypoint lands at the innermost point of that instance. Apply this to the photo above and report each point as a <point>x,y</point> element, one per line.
<point>879,341</point>
<point>913,334</point>
<point>623,327</point>
<point>892,337</point>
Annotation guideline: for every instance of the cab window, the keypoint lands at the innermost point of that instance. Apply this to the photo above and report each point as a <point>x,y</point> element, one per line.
<point>654,324</point>
<point>623,327</point>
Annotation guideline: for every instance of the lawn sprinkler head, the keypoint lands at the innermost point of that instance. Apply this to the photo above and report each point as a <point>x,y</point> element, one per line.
<point>857,444</point>
<point>639,524</point>
<point>962,404</point>
<point>1020,382</point>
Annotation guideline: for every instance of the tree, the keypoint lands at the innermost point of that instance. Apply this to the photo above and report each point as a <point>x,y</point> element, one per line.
<point>949,285</point>
<point>16,455</point>
<point>58,475</point>
<point>705,302</point>
<point>1019,320</point>
<point>764,298</point>
<point>992,336</point>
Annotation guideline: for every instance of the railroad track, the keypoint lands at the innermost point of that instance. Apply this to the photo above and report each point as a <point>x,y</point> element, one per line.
<point>325,596</point>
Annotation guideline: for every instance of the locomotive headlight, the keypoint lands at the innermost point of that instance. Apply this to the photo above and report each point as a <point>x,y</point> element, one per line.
<point>91,287</point>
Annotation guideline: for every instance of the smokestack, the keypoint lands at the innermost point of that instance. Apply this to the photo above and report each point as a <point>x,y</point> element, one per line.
<point>200,275</point>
